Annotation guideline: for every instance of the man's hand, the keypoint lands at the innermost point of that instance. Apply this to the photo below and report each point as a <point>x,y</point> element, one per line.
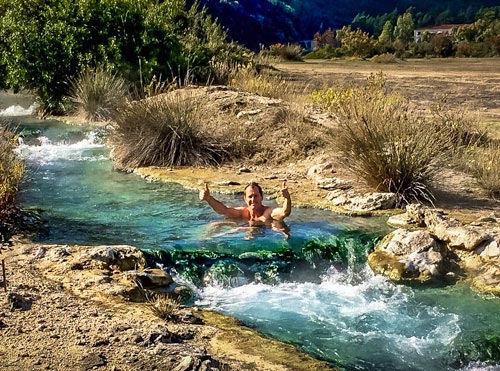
<point>284,190</point>
<point>204,193</point>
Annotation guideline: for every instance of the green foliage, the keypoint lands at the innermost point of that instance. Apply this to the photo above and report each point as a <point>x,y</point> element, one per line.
<point>167,130</point>
<point>97,94</point>
<point>45,43</point>
<point>356,43</point>
<point>442,45</point>
<point>326,52</point>
<point>392,147</point>
<point>386,34</point>
<point>404,27</point>
<point>11,172</point>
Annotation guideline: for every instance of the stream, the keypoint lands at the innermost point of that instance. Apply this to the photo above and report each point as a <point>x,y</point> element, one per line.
<point>308,285</point>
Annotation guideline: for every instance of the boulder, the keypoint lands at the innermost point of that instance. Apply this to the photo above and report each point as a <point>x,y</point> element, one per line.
<point>410,256</point>
<point>476,248</point>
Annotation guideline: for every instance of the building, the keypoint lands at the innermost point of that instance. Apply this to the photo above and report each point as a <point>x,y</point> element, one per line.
<point>444,29</point>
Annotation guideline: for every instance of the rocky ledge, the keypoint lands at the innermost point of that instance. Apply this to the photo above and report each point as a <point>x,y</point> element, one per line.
<point>89,308</point>
<point>429,247</point>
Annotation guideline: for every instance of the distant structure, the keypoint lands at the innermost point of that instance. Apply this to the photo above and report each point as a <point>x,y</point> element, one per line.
<point>444,29</point>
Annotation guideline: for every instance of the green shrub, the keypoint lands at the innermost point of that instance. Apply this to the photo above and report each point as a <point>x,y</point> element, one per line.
<point>386,143</point>
<point>44,43</point>
<point>98,93</point>
<point>166,130</point>
<point>11,172</point>
<point>326,52</point>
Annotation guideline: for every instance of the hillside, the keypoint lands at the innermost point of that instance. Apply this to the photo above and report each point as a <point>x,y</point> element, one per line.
<point>255,22</point>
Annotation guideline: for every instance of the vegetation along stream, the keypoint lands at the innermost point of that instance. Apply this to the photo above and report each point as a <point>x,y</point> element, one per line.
<point>309,286</point>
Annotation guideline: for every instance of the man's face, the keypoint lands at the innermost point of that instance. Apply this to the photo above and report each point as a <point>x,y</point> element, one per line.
<point>253,197</point>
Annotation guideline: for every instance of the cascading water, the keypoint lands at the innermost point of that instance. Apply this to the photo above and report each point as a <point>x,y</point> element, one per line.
<point>309,286</point>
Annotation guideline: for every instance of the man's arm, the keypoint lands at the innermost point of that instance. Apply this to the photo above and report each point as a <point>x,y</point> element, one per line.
<point>280,213</point>
<point>218,206</point>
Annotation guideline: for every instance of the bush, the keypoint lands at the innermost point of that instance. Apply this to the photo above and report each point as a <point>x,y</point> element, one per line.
<point>11,172</point>
<point>484,164</point>
<point>97,94</point>
<point>387,144</point>
<point>166,130</point>
<point>44,43</point>
<point>288,52</point>
<point>326,52</point>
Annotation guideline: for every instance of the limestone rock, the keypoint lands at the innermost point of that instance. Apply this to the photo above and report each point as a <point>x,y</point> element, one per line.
<point>315,171</point>
<point>372,201</point>
<point>122,256</point>
<point>409,256</point>
<point>150,278</point>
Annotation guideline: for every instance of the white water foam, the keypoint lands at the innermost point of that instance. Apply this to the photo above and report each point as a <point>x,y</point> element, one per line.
<point>375,312</point>
<point>16,110</point>
<point>48,152</point>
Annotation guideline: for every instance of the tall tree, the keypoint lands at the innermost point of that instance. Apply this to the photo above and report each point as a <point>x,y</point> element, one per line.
<point>404,27</point>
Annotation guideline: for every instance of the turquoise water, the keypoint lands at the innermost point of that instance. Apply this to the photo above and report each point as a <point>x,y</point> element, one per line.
<point>309,286</point>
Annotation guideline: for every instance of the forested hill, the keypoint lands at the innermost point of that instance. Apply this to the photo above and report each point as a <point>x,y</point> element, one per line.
<point>255,22</point>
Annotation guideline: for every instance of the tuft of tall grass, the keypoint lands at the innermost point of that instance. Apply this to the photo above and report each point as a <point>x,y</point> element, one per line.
<point>166,130</point>
<point>11,171</point>
<point>264,83</point>
<point>98,93</point>
<point>286,52</point>
<point>163,306</point>
<point>388,144</point>
<point>484,165</point>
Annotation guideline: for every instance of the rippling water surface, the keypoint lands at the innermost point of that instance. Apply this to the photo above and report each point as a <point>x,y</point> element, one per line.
<point>309,286</point>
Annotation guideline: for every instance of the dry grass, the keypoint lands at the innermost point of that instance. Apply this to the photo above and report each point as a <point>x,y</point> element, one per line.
<point>267,84</point>
<point>167,130</point>
<point>163,306</point>
<point>97,94</point>
<point>11,172</point>
<point>385,142</point>
<point>484,164</point>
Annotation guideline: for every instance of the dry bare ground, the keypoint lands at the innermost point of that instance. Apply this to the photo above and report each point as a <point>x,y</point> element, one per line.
<point>469,83</point>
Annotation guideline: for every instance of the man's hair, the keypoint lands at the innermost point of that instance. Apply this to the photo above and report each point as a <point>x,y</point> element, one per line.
<point>256,185</point>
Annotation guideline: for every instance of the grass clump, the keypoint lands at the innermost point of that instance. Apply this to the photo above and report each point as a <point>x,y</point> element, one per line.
<point>267,84</point>
<point>384,58</point>
<point>11,172</point>
<point>166,130</point>
<point>98,93</point>
<point>163,306</point>
<point>484,164</point>
<point>389,145</point>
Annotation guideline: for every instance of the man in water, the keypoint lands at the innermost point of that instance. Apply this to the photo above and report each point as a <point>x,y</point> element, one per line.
<point>254,211</point>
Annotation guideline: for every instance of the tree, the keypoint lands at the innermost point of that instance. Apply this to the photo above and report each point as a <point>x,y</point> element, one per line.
<point>357,42</point>
<point>386,35</point>
<point>404,27</point>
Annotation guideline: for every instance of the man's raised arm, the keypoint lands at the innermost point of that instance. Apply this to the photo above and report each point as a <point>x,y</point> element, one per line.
<point>218,206</point>
<point>280,213</point>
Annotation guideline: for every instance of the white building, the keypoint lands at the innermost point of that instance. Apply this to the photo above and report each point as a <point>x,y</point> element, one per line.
<point>444,29</point>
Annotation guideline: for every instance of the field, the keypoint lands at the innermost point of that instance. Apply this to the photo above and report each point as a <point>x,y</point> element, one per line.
<point>470,84</point>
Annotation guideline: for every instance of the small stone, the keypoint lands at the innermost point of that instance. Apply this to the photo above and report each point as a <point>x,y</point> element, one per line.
<point>244,170</point>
